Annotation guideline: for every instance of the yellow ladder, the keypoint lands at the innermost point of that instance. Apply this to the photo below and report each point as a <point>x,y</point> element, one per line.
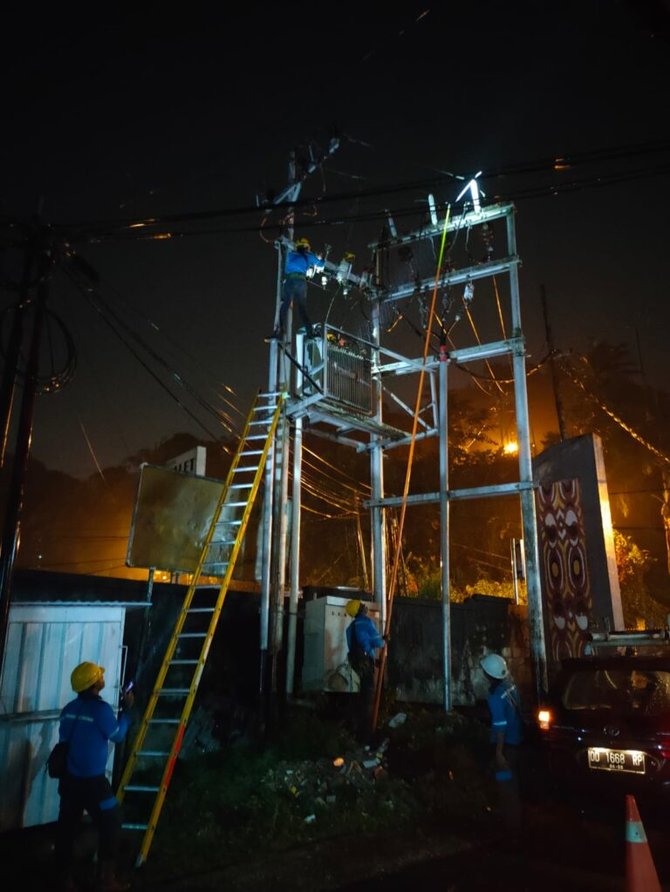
<point>161,732</point>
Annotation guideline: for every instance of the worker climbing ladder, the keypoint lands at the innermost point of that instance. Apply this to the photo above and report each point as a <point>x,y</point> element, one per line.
<point>148,771</point>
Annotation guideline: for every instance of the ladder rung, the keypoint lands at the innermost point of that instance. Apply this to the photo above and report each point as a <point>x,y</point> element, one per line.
<point>241,486</point>
<point>157,754</point>
<point>245,454</point>
<point>234,505</point>
<point>193,635</point>
<point>175,692</point>
<point>183,662</point>
<point>256,437</point>
<point>230,522</point>
<point>134,826</point>
<point>200,610</point>
<point>164,721</point>
<point>136,788</point>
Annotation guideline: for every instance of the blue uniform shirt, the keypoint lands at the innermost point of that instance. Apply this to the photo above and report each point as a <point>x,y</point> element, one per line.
<point>503,701</point>
<point>301,261</point>
<point>366,633</point>
<point>89,724</point>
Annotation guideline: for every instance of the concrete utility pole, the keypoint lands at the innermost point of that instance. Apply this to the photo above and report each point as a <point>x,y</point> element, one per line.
<point>275,504</point>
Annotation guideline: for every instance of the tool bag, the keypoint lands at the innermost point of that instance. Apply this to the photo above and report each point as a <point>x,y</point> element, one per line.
<point>358,659</point>
<point>57,761</point>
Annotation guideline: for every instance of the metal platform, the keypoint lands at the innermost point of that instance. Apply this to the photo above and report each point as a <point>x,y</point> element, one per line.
<point>317,411</point>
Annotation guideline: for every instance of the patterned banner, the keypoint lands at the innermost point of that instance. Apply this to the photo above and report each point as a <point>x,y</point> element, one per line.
<point>565,573</point>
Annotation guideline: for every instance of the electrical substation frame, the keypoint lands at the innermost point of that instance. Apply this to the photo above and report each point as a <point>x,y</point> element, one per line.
<point>301,372</point>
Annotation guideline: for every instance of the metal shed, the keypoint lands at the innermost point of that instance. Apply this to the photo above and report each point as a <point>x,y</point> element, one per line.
<point>52,627</point>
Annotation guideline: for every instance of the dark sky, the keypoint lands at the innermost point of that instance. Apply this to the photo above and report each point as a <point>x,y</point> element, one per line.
<point>156,113</point>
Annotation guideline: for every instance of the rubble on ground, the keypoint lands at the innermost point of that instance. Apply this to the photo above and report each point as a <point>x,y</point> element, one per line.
<point>318,782</point>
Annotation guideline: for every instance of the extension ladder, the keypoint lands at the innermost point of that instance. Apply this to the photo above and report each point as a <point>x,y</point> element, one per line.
<point>148,771</point>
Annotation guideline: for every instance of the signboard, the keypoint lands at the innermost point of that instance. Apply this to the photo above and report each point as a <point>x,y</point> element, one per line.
<point>172,516</point>
<point>191,462</point>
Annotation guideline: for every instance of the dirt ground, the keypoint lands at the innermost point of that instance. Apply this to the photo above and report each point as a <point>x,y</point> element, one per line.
<point>312,812</point>
<point>26,857</point>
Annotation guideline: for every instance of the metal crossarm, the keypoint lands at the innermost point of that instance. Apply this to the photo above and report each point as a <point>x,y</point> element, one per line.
<point>159,738</point>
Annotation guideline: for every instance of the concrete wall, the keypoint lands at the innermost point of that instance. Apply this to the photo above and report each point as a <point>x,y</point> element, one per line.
<point>478,625</point>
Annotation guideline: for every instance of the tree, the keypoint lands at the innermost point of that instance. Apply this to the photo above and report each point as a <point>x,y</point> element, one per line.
<point>640,609</point>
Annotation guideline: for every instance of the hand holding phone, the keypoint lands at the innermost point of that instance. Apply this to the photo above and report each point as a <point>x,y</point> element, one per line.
<point>128,695</point>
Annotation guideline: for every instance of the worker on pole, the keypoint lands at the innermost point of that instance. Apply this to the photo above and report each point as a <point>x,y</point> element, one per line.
<point>299,263</point>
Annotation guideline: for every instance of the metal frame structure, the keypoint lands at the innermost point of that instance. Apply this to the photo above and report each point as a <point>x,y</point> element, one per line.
<point>311,403</point>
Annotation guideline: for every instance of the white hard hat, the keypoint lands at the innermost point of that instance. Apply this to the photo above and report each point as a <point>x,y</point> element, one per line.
<point>494,665</point>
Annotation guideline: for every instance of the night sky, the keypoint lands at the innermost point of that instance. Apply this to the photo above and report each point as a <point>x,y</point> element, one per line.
<point>157,114</point>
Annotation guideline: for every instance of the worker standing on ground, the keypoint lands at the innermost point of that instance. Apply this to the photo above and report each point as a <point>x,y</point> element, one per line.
<point>294,291</point>
<point>362,641</point>
<point>88,723</point>
<point>506,737</point>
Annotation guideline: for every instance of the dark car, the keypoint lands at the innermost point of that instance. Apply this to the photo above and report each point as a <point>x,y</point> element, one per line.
<point>605,726</point>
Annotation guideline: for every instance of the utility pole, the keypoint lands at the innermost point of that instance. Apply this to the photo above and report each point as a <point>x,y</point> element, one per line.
<point>38,256</point>
<point>275,518</point>
<point>552,365</point>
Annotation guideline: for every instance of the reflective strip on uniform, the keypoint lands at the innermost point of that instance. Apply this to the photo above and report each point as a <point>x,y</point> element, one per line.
<point>108,804</point>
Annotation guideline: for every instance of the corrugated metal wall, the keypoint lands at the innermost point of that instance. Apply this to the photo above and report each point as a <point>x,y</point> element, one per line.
<point>44,644</point>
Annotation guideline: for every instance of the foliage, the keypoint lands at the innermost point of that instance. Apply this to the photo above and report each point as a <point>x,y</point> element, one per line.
<point>639,606</point>
<point>424,580</point>
<point>496,589</point>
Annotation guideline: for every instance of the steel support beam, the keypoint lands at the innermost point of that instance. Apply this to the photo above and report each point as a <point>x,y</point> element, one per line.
<point>529,518</point>
<point>444,528</point>
<point>456,222</point>
<point>378,514</point>
<point>458,495</point>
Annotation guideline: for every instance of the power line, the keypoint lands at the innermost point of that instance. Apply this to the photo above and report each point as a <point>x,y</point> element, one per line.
<point>145,227</point>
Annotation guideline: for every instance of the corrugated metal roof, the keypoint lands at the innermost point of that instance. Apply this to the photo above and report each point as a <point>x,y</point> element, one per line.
<point>45,587</point>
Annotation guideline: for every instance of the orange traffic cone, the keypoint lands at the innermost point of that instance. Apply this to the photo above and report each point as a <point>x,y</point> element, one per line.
<point>641,874</point>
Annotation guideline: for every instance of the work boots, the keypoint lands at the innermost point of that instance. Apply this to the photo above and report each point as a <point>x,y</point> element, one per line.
<point>108,881</point>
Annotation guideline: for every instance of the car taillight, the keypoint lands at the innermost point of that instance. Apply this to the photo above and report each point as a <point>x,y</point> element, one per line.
<point>665,752</point>
<point>544,719</point>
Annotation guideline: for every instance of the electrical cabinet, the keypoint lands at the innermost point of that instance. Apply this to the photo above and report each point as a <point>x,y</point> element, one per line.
<point>325,666</point>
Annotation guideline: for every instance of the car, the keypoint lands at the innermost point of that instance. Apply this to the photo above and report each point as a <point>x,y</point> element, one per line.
<point>604,727</point>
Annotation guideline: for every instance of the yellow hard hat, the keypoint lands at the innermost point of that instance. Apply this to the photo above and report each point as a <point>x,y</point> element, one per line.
<point>85,675</point>
<point>353,607</point>
<point>303,243</point>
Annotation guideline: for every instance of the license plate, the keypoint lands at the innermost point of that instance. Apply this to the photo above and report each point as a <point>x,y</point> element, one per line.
<point>604,759</point>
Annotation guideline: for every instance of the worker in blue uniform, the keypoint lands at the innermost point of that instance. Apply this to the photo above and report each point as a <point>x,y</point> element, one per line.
<point>506,737</point>
<point>363,640</point>
<point>294,290</point>
<point>88,723</point>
